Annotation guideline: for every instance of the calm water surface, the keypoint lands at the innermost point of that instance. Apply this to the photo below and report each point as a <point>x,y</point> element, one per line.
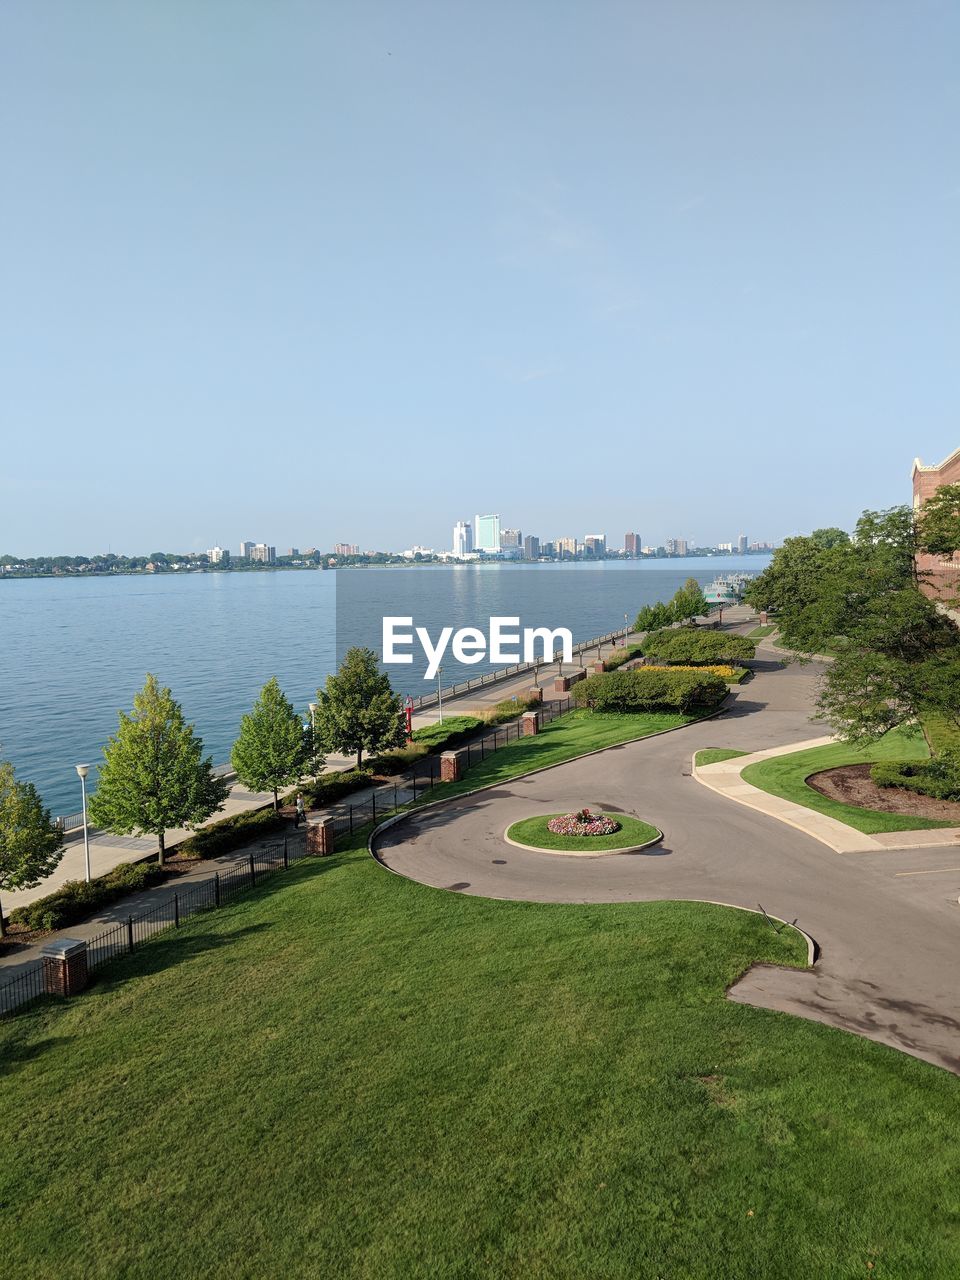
<point>74,651</point>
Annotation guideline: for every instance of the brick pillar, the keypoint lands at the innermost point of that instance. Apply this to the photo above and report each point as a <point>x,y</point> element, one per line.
<point>321,838</point>
<point>763,617</point>
<point>561,684</point>
<point>450,770</point>
<point>598,668</point>
<point>529,723</point>
<point>536,694</point>
<point>65,967</point>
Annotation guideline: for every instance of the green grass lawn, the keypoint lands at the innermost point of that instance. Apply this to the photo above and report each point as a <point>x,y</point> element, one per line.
<point>533,831</point>
<point>569,736</point>
<point>940,732</point>
<point>758,633</point>
<point>713,755</point>
<point>347,1074</point>
<point>786,776</point>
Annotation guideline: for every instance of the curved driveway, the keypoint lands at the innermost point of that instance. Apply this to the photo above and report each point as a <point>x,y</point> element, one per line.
<point>889,937</point>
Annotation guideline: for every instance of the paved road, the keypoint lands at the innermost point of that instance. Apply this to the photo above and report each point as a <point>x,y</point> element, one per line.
<point>889,966</point>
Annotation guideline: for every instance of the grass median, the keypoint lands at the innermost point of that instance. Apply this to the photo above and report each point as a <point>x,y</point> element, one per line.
<point>786,776</point>
<point>345,1073</point>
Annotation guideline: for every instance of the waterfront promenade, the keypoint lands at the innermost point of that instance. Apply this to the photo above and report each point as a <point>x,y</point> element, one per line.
<point>108,851</point>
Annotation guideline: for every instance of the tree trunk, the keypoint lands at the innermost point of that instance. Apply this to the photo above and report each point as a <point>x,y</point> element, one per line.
<point>3,932</point>
<point>276,801</point>
<point>160,849</point>
<point>359,757</point>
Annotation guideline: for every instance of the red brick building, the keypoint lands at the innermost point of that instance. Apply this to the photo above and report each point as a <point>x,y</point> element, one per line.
<point>940,577</point>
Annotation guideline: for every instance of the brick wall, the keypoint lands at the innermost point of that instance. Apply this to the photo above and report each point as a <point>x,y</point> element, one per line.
<point>941,577</point>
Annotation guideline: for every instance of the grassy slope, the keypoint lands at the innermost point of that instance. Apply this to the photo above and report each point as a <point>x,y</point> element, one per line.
<point>533,831</point>
<point>348,1074</point>
<point>758,633</point>
<point>566,738</point>
<point>713,755</point>
<point>785,776</point>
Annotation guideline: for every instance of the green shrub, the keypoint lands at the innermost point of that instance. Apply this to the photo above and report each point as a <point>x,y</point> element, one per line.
<point>399,759</point>
<point>330,787</point>
<point>76,900</point>
<point>231,833</point>
<point>698,646</point>
<point>938,777</point>
<point>446,733</point>
<point>510,708</point>
<point>651,689</point>
<point>622,656</point>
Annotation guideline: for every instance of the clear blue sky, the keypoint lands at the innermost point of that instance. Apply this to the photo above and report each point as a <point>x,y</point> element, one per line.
<point>304,272</point>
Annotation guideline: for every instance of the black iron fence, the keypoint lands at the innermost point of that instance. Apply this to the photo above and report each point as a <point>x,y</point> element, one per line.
<point>125,936</point>
<point>388,799</point>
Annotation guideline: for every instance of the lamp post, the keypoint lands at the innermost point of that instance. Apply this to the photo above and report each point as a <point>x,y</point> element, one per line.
<point>313,733</point>
<point>83,770</point>
<point>440,692</point>
<point>558,656</point>
<point>536,672</point>
<point>626,629</point>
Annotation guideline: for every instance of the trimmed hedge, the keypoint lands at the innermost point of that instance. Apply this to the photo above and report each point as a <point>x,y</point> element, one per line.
<point>77,900</point>
<point>230,833</point>
<point>698,647</point>
<point>651,689</point>
<point>445,734</point>
<point>938,777</point>
<point>334,786</point>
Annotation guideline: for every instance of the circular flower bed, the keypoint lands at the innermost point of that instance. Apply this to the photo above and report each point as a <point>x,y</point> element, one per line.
<point>583,823</point>
<point>584,832</point>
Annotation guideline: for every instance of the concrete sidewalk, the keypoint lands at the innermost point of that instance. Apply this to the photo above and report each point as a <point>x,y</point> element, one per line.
<point>726,778</point>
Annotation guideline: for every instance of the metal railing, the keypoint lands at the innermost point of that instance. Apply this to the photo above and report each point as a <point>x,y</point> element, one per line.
<point>507,673</point>
<point>125,936</point>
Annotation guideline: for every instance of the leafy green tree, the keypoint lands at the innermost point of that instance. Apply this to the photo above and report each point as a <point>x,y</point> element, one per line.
<point>938,524</point>
<point>689,602</point>
<point>358,710</point>
<point>272,750</point>
<point>652,617</point>
<point>154,775</point>
<point>31,844</point>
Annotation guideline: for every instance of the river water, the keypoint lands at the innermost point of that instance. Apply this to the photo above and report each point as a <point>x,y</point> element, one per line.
<point>75,650</point>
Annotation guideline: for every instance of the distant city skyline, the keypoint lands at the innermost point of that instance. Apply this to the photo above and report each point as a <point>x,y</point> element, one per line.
<point>352,272</point>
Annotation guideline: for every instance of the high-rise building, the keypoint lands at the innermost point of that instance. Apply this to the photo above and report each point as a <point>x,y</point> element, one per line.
<point>742,543</point>
<point>346,549</point>
<point>510,538</point>
<point>217,555</point>
<point>567,547</point>
<point>487,533</point>
<point>293,551</point>
<point>548,549</point>
<point>724,546</point>
<point>462,538</point>
<point>676,546</point>
<point>631,544</point>
<point>260,553</point>
<point>245,549</point>
<point>531,547</point>
<point>595,544</point>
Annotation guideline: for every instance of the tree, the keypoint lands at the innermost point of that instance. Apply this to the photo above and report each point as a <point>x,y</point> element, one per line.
<point>689,602</point>
<point>358,710</point>
<point>272,750</point>
<point>652,617</point>
<point>154,775</point>
<point>938,524</point>
<point>31,844</point>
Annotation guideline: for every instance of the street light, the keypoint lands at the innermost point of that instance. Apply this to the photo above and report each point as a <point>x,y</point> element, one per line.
<point>83,770</point>
<point>440,692</point>
<point>558,656</point>
<point>626,629</point>
<point>312,706</point>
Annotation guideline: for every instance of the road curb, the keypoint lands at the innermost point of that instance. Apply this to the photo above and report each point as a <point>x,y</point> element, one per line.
<point>585,853</point>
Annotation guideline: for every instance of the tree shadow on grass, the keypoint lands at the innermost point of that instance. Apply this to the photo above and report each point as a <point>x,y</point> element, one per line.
<point>172,947</point>
<point>18,1054</point>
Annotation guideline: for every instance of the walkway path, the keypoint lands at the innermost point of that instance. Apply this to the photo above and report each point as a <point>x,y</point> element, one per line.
<point>887,922</point>
<point>107,851</point>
